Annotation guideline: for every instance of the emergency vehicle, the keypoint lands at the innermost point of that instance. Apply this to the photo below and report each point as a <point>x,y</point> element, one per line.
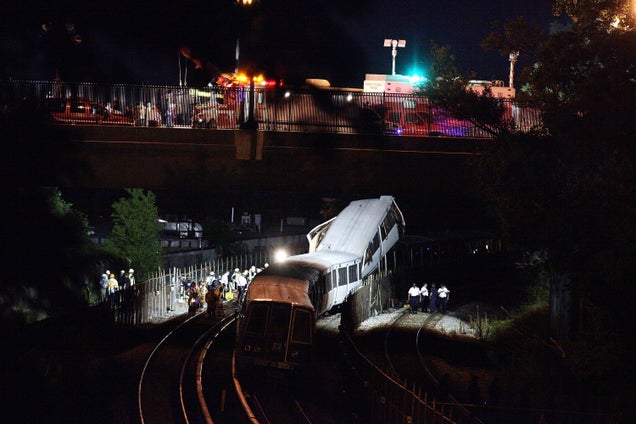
<point>224,105</point>
<point>496,87</point>
<point>391,97</point>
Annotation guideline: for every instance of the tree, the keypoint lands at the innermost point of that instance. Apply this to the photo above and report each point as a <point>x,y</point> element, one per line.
<point>598,15</point>
<point>46,249</point>
<point>517,35</point>
<point>447,91</point>
<point>47,253</point>
<point>135,234</point>
<point>572,193</point>
<point>584,83</point>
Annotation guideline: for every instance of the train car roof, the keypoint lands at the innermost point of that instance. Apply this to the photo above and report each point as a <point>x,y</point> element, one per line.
<point>279,289</point>
<point>308,266</point>
<point>322,259</point>
<point>356,225</point>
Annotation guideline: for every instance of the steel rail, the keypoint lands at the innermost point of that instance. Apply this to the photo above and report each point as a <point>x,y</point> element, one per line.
<point>220,327</point>
<point>148,361</point>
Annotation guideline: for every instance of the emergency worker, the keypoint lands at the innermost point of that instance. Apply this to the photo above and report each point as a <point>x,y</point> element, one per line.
<point>424,297</point>
<point>234,279</point>
<point>443,293</point>
<point>433,299</point>
<point>103,285</point>
<point>193,298</point>
<point>241,284</point>
<point>414,298</point>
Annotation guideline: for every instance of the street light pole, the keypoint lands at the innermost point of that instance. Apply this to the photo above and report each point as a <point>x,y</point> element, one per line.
<point>393,44</point>
<point>237,52</point>
<point>513,59</point>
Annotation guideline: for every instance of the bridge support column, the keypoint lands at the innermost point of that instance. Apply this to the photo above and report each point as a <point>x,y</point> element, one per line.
<point>249,144</point>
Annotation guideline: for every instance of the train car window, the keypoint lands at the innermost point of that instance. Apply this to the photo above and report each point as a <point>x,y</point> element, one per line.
<point>301,328</point>
<point>374,244</point>
<point>396,216</point>
<point>342,276</point>
<point>368,255</point>
<point>279,322</point>
<point>353,272</point>
<point>387,224</point>
<point>257,320</point>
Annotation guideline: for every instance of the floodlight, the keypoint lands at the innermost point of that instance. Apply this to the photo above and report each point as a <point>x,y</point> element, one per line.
<point>394,44</point>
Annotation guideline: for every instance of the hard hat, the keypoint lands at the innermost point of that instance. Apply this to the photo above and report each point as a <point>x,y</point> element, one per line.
<point>211,273</point>
<point>236,270</point>
<point>131,270</point>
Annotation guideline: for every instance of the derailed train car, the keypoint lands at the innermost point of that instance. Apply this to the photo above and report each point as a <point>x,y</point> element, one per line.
<point>277,320</point>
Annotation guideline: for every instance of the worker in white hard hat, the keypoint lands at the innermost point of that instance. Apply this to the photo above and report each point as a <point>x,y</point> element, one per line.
<point>234,279</point>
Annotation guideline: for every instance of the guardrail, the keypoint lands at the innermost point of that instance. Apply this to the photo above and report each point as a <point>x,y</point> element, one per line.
<point>270,109</point>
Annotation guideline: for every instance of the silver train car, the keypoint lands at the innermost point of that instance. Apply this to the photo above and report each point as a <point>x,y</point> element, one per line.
<point>282,303</point>
<point>368,228</point>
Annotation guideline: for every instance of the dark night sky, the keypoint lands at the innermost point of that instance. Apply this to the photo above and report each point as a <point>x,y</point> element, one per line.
<point>333,39</point>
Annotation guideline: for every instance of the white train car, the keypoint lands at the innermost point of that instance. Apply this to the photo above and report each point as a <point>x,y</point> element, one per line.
<point>337,274</point>
<point>368,228</point>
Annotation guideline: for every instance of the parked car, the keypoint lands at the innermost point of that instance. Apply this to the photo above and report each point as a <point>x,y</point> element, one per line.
<point>80,110</point>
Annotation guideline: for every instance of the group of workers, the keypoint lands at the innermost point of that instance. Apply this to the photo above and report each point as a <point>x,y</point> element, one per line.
<point>433,300</point>
<point>109,284</point>
<point>219,288</point>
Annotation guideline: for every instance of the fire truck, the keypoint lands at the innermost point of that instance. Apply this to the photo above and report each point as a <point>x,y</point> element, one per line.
<point>224,105</point>
<point>217,108</point>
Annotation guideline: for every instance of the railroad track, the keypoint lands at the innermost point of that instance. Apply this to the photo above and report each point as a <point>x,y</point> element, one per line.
<point>191,377</point>
<point>174,385</point>
<point>400,347</point>
<point>396,354</point>
<point>311,395</point>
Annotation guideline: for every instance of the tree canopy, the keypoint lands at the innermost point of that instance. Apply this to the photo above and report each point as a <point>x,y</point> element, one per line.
<point>570,190</point>
<point>135,234</point>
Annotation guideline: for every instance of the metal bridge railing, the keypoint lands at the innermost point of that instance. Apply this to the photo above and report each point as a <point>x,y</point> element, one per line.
<point>272,109</point>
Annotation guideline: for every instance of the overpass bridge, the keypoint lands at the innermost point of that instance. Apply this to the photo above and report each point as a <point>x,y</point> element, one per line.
<point>307,144</point>
<point>159,158</point>
<point>280,167</point>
